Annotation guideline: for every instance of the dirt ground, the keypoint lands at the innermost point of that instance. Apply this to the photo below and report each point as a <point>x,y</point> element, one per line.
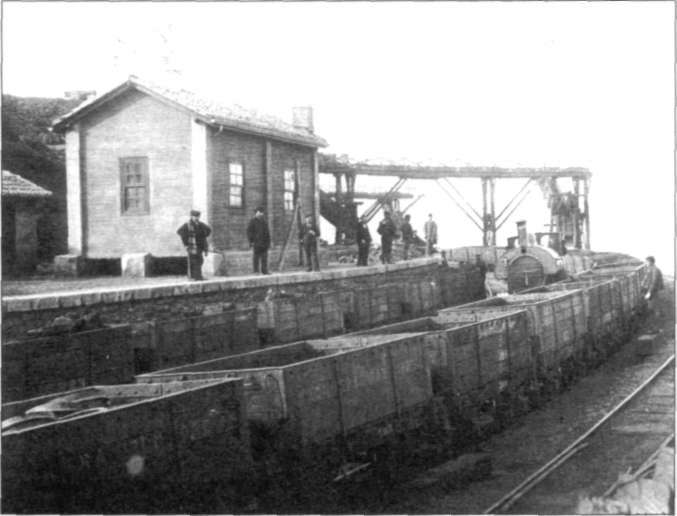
<point>523,448</point>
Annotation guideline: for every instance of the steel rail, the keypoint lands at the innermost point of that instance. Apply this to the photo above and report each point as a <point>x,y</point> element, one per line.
<point>646,465</point>
<point>532,480</point>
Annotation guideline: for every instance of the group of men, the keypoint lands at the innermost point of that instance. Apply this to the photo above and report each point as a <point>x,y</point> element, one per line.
<point>194,235</point>
<point>388,231</point>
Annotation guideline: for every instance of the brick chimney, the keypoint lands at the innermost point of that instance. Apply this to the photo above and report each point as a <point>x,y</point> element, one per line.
<point>303,118</point>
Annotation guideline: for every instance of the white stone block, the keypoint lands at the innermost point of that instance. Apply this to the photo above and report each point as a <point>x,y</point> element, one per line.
<point>68,264</point>
<point>214,265</point>
<point>136,265</point>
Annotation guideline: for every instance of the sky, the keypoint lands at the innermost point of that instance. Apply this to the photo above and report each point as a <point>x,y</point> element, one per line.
<point>585,84</point>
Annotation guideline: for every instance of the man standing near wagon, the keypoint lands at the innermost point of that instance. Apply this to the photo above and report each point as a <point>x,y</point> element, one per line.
<point>194,237</point>
<point>258,235</point>
<point>652,285</point>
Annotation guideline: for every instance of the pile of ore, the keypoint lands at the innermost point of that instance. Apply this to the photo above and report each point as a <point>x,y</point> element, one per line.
<point>65,324</point>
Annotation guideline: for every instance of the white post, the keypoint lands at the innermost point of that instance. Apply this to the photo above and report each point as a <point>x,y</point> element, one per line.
<point>201,198</point>
<point>74,191</point>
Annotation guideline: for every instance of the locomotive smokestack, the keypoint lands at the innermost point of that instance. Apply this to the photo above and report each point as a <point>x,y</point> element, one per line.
<point>522,234</point>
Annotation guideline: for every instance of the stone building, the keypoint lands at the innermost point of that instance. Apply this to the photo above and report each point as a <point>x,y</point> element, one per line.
<point>21,208</point>
<point>141,155</point>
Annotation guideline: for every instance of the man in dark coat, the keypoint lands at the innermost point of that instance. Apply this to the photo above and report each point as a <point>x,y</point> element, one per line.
<point>387,230</point>
<point>407,235</point>
<point>309,234</point>
<point>363,238</point>
<point>194,237</point>
<point>259,240</point>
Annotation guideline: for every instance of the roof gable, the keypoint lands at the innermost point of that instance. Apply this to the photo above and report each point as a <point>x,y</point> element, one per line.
<point>13,185</point>
<point>233,117</point>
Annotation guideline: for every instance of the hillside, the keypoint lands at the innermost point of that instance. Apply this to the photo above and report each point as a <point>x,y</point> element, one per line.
<point>25,151</point>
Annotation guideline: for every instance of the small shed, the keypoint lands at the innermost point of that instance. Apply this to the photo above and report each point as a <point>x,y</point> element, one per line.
<point>21,205</point>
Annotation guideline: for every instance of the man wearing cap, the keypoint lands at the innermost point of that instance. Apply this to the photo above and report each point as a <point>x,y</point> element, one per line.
<point>387,230</point>
<point>430,231</point>
<point>652,285</point>
<point>308,236</point>
<point>194,237</point>
<point>363,238</point>
<point>259,240</point>
<point>407,235</point>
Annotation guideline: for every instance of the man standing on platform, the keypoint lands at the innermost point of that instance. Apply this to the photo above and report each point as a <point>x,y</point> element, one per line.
<point>259,240</point>
<point>363,238</point>
<point>387,230</point>
<point>407,235</point>
<point>430,231</point>
<point>309,235</point>
<point>194,237</point>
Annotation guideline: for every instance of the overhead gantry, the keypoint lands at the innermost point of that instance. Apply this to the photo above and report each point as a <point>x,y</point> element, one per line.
<point>567,217</point>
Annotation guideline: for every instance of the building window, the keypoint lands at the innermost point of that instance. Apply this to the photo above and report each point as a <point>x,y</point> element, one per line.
<point>134,186</point>
<point>289,189</point>
<point>236,182</point>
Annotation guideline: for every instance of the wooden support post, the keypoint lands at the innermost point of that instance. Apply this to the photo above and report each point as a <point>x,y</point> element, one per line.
<point>492,190</point>
<point>484,211</point>
<point>268,166</point>
<point>576,221</point>
<point>338,186</point>
<point>586,208</point>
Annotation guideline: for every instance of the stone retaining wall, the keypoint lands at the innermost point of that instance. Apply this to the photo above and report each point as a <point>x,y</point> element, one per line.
<point>184,298</point>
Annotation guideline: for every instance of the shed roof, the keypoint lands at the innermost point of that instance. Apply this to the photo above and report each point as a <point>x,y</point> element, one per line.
<point>208,111</point>
<point>13,185</point>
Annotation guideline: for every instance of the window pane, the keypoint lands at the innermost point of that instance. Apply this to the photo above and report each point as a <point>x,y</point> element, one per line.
<point>235,168</point>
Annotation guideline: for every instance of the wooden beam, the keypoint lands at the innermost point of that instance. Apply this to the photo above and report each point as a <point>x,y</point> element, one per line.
<point>448,181</point>
<point>492,210</point>
<point>466,212</point>
<point>524,196</point>
<point>484,212</point>
<point>586,208</point>
<point>507,206</point>
<point>424,172</point>
<point>576,221</point>
<point>268,167</point>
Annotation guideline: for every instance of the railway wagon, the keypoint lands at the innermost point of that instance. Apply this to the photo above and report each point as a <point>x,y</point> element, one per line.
<point>471,359</point>
<point>602,301</point>
<point>323,389</point>
<point>125,448</point>
<point>556,322</point>
<point>160,344</point>
<point>629,279</point>
<point>62,362</point>
<point>285,319</point>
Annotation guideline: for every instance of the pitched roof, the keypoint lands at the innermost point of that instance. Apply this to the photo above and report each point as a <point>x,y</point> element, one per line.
<point>13,185</point>
<point>234,117</point>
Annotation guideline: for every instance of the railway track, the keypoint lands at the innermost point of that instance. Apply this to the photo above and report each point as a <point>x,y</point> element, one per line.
<point>622,439</point>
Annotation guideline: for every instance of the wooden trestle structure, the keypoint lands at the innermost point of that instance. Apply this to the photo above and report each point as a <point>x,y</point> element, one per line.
<point>567,217</point>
